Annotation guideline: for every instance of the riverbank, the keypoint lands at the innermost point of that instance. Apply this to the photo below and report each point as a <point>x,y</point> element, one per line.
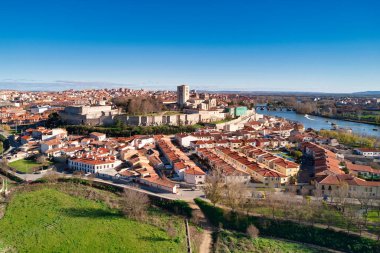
<point>345,119</point>
<point>318,123</point>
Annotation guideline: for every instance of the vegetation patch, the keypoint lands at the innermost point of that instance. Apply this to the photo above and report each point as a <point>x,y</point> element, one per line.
<point>47,220</point>
<point>227,241</point>
<point>288,230</point>
<point>124,130</point>
<point>352,140</point>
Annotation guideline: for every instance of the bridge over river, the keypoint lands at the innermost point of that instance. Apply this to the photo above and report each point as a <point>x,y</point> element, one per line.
<point>266,107</point>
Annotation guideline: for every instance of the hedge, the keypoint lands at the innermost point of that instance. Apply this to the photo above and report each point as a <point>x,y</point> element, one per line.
<point>131,130</point>
<point>289,230</point>
<point>175,206</point>
<point>9,175</point>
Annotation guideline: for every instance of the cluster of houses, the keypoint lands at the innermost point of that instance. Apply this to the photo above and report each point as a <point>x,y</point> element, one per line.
<point>250,165</point>
<point>249,154</point>
<point>16,116</point>
<point>125,159</point>
<point>331,180</point>
<point>183,166</point>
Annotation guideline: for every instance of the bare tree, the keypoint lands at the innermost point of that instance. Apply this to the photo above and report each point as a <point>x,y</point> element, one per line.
<point>350,214</point>
<point>134,204</point>
<point>340,195</point>
<point>42,159</point>
<point>250,204</point>
<point>299,211</point>
<point>273,202</point>
<point>235,194</point>
<point>366,201</point>
<point>313,210</point>
<point>360,222</point>
<point>51,177</point>
<point>287,205</point>
<point>253,231</point>
<point>327,216</point>
<point>214,186</point>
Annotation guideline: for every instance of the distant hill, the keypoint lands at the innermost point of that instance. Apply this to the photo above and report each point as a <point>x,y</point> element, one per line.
<point>295,93</point>
<point>367,93</point>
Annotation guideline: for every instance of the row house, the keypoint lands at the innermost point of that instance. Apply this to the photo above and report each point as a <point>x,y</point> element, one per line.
<point>258,172</point>
<point>235,144</point>
<point>185,139</point>
<point>331,185</point>
<point>160,184</point>
<point>51,144</point>
<point>276,163</point>
<point>92,164</point>
<point>286,167</point>
<point>230,173</point>
<point>362,170</point>
<point>268,177</point>
<point>325,161</point>
<point>368,152</point>
<point>185,168</point>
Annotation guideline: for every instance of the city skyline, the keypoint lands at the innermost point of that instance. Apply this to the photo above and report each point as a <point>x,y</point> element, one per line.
<point>273,46</point>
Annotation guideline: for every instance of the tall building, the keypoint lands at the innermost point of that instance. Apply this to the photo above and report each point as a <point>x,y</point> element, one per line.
<point>183,94</point>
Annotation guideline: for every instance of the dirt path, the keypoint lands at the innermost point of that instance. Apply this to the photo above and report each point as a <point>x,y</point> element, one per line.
<point>206,244</point>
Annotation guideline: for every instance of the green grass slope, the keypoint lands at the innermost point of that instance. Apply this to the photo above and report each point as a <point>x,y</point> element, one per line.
<point>51,221</point>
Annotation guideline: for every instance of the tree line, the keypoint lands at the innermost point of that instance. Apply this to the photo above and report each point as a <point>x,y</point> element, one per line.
<point>338,211</point>
<point>352,140</point>
<point>139,105</point>
<point>126,131</point>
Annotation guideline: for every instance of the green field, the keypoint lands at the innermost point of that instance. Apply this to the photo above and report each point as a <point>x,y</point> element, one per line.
<point>48,220</point>
<point>25,166</point>
<point>237,242</point>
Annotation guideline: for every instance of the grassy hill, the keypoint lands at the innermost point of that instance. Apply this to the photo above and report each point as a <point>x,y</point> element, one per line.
<point>48,220</point>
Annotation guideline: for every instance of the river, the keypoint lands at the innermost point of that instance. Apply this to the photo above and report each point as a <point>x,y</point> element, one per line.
<point>318,123</point>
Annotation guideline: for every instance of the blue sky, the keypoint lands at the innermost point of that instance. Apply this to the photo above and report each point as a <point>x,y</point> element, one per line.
<point>304,45</point>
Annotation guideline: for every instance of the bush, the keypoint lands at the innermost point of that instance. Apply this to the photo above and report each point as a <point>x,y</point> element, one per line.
<point>288,230</point>
<point>134,204</point>
<point>252,231</point>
